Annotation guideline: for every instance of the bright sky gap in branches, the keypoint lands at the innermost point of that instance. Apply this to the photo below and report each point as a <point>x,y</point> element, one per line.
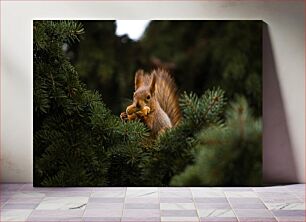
<point>133,28</point>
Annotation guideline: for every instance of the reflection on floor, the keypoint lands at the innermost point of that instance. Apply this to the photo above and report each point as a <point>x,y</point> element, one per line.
<point>22,202</point>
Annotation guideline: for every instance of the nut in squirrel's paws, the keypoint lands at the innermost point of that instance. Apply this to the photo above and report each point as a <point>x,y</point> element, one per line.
<point>144,112</point>
<point>132,113</point>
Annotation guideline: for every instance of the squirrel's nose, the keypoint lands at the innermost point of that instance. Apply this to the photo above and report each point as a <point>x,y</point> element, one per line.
<point>138,106</point>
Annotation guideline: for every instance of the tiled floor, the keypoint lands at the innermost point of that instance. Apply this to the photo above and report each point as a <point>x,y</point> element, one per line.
<point>22,202</point>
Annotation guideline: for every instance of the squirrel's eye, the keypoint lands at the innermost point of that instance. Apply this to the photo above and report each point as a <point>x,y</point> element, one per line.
<point>148,97</point>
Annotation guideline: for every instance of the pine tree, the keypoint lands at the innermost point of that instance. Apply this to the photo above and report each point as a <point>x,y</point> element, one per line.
<point>228,155</point>
<point>76,138</point>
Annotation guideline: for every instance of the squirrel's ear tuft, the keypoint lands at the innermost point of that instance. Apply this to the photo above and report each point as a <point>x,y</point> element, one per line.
<point>138,78</point>
<point>153,83</point>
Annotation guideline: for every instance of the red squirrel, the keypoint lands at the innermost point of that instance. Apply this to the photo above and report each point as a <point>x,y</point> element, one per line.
<point>155,101</point>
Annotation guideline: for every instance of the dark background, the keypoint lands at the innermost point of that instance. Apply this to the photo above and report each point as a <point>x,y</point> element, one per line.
<point>198,54</point>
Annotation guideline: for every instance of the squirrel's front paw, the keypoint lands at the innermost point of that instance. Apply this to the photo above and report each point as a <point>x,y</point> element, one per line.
<point>124,116</point>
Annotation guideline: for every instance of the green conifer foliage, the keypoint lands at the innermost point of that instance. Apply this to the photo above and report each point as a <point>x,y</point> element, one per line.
<point>172,151</point>
<point>76,138</point>
<point>228,155</point>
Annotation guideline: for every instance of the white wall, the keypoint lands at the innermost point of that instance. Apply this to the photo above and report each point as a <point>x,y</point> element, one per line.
<point>284,77</point>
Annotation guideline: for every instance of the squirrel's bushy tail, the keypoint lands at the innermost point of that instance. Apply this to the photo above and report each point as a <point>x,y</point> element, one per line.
<point>166,95</point>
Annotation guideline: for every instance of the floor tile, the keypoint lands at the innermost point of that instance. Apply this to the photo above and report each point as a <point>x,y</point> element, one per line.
<point>14,214</point>
<point>300,195</point>
<point>176,200</point>
<point>210,200</point>
<point>274,197</point>
<point>216,213</point>
<point>291,219</point>
<point>289,213</point>
<point>91,205</point>
<point>110,189</point>
<point>106,193</point>
<point>248,206</point>
<point>172,189</point>
<point>101,219</point>
<point>218,219</point>
<point>142,213</point>
<point>179,219</point>
<point>254,213</point>
<point>24,194</point>
<point>237,189</point>
<point>3,200</point>
<point>141,206</point>
<point>62,203</point>
<point>56,213</point>
<point>285,206</point>
<point>142,200</point>
<point>301,187</point>
<point>140,219</point>
<point>20,206</point>
<point>240,194</point>
<point>178,213</point>
<point>244,200</point>
<point>103,213</point>
<point>55,219</point>
<point>253,219</point>
<point>29,187</point>
<point>278,189</point>
<point>106,200</point>
<point>224,205</point>
<point>207,193</point>
<point>177,206</point>
<point>175,194</point>
<point>192,189</point>
<point>68,193</point>
<point>280,200</point>
<point>135,192</point>
<point>25,200</point>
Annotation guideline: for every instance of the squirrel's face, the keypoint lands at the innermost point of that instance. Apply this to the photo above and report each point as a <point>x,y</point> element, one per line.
<point>142,97</point>
<point>144,93</point>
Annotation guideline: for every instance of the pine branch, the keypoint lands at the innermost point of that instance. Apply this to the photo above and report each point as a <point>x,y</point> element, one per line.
<point>171,155</point>
<point>228,155</point>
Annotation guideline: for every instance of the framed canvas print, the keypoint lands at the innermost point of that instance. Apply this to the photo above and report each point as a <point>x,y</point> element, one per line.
<point>147,103</point>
